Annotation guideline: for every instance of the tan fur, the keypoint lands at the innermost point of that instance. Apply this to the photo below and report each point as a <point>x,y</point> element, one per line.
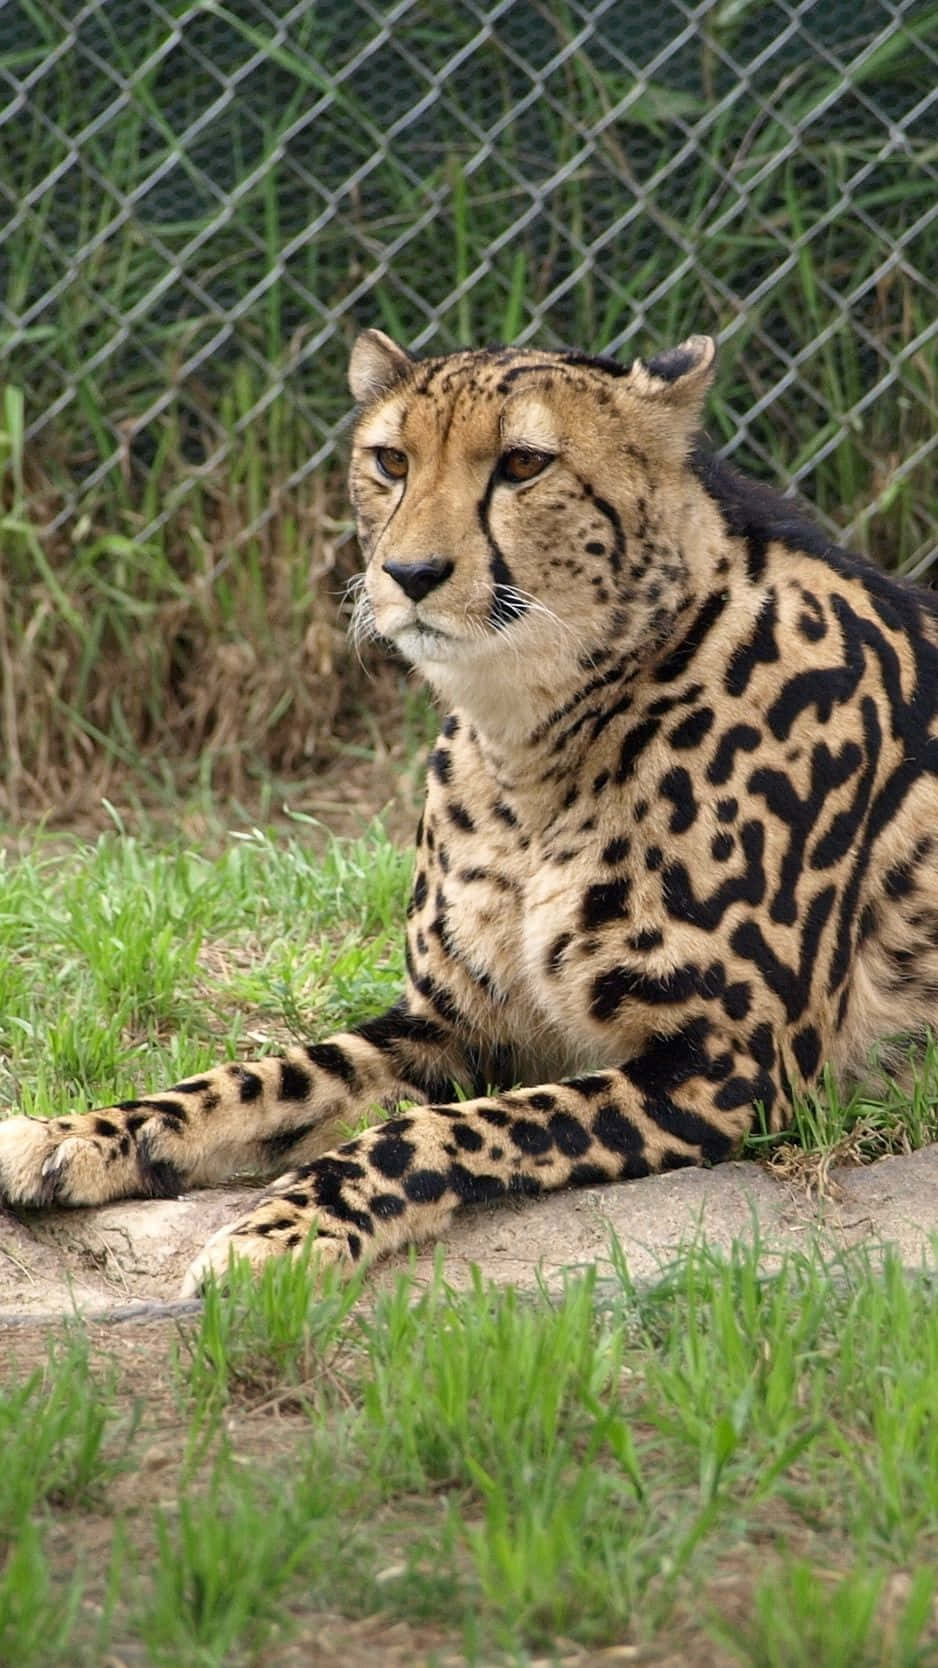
<point>679,832</point>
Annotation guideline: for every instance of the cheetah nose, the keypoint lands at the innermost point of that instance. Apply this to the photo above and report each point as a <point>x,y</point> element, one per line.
<point>418,579</point>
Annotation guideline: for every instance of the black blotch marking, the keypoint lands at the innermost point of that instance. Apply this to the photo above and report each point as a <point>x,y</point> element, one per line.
<point>671,1159</point>
<point>458,814</point>
<point>761,1045</point>
<point>632,984</point>
<point>632,747</point>
<point>530,1137</point>
<point>425,1187</point>
<point>684,904</point>
<point>587,1175</point>
<point>492,1115</point>
<point>739,738</point>
<point>616,1132</point>
<point>569,1136</point>
<point>616,850</point>
<point>606,901</point>
<point>691,730</point>
<point>391,1155</point>
<point>528,1186</point>
<point>250,1087</point>
<point>295,1084</point>
<point>160,1179</point>
<point>680,657</point>
<point>276,1146</point>
<point>649,938</point>
<point>556,953</point>
<point>667,1065</point>
<point>791,984</point>
<point>828,771</point>
<point>676,785</point>
<point>333,1060</point>
<point>467,1138</point>
<point>474,1189</point>
<point>737,1091</point>
<point>761,647</point>
<point>899,881</point>
<point>737,1000</point>
<point>591,1085</point>
<point>806,1047</point>
<point>329,1177</point>
<point>869,920</point>
<point>385,1206</point>
<point>396,1026</point>
<point>168,1109</point>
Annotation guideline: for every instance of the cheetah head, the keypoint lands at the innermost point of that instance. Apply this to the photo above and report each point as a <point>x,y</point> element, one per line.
<point>518,499</point>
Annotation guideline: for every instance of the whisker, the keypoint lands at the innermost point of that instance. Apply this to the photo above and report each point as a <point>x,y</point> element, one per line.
<point>533,605</point>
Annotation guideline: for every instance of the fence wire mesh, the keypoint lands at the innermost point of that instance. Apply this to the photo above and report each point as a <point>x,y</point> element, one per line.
<point>205,200</point>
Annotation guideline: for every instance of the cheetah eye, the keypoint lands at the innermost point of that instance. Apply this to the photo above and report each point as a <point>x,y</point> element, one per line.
<point>521,463</point>
<point>391,462</point>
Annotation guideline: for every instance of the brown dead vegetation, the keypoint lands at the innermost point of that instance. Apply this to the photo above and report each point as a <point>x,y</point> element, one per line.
<point>214,655</point>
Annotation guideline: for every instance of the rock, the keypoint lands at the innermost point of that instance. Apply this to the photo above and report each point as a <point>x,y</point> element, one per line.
<point>54,1262</point>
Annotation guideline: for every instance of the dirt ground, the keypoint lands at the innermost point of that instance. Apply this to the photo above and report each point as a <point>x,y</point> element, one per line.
<point>120,1267</point>
<point>112,1259</point>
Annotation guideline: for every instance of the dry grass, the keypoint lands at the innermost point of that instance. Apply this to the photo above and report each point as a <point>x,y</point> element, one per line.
<point>213,659</point>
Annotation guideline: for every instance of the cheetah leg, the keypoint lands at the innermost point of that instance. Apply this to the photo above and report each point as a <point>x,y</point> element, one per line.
<point>248,1118</point>
<point>687,1100</point>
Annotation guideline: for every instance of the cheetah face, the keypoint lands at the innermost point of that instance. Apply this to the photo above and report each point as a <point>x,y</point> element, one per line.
<point>499,495</point>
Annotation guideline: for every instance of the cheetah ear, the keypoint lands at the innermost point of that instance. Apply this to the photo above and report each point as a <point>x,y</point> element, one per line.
<point>679,376</point>
<point>664,396</point>
<point>375,366</point>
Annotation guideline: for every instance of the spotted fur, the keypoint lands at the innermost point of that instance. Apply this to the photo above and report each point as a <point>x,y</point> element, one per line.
<point>680,840</point>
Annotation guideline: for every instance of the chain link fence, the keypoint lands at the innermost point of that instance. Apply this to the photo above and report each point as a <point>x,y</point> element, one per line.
<point>227,189</point>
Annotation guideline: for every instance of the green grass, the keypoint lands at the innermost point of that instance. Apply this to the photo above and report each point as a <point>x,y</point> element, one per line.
<point>737,1463</point>
<point>200,569</point>
<point>63,1406</point>
<point>162,958</point>
<point>264,1335</point>
<point>894,1111</point>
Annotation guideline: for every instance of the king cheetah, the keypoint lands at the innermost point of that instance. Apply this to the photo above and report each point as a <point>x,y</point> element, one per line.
<point>679,848</point>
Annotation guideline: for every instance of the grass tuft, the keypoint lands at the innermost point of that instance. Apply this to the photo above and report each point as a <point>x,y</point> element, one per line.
<point>862,1619</point>
<point>267,1337</point>
<point>74,1447</point>
<point>894,1111</point>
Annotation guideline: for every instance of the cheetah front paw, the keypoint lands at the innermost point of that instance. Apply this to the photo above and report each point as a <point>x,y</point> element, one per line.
<point>45,1161</point>
<point>272,1230</point>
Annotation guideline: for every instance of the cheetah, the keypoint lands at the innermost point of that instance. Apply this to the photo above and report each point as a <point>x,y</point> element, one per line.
<point>679,847</point>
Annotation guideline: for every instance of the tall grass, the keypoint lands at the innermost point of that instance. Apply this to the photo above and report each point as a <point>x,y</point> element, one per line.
<point>181,290</point>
